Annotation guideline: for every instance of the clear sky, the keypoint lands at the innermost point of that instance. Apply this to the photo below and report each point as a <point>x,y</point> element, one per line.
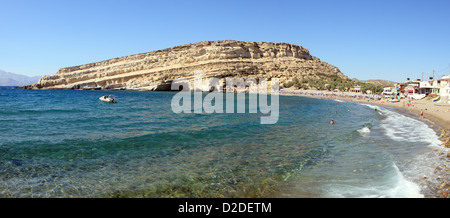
<point>365,39</point>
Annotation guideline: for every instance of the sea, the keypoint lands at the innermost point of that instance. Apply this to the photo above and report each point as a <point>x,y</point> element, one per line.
<point>68,144</point>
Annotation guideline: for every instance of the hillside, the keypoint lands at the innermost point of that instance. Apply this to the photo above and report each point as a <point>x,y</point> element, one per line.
<point>380,82</point>
<point>221,59</point>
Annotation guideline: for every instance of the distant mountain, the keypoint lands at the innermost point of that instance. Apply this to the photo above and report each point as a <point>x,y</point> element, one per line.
<point>12,79</point>
<point>377,82</point>
<point>380,82</point>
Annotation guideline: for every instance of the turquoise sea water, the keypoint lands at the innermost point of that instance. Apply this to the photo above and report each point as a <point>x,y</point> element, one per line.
<point>66,143</point>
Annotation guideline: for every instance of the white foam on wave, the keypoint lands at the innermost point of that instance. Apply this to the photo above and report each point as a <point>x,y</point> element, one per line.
<point>378,109</point>
<point>403,187</point>
<point>389,164</point>
<point>364,131</point>
<point>392,185</point>
<point>369,105</point>
<point>399,127</point>
<point>416,155</point>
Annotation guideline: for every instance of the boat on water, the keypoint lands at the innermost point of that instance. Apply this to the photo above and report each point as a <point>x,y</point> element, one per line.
<point>108,98</point>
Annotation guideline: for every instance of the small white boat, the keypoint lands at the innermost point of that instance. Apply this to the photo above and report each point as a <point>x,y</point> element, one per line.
<point>109,99</point>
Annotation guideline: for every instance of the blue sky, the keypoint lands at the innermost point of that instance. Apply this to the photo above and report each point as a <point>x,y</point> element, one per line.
<point>365,39</point>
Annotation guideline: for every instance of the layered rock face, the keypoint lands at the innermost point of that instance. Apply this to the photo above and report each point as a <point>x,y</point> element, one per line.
<point>220,59</point>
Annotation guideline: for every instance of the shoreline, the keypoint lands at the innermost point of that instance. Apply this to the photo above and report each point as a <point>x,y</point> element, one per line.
<point>436,116</point>
<point>437,113</point>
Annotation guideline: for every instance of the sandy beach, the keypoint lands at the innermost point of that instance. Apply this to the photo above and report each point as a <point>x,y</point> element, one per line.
<point>436,115</point>
<point>435,112</point>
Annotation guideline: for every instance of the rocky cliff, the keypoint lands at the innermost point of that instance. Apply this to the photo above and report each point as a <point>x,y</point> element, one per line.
<point>221,59</point>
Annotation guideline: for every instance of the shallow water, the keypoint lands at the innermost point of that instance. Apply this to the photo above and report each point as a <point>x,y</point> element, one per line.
<point>66,143</point>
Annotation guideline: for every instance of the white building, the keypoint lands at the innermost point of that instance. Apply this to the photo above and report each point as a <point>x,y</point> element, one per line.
<point>444,91</point>
<point>429,87</point>
<point>388,92</point>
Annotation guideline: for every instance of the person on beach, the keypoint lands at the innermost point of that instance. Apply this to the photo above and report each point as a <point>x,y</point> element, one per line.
<point>421,114</point>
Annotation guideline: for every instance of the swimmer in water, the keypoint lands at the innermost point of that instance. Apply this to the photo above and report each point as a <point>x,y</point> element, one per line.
<point>332,122</point>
